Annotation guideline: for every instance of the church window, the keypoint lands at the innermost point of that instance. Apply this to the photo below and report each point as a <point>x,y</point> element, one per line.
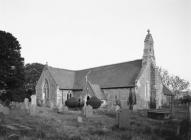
<point>147,90</point>
<point>88,97</point>
<point>46,90</point>
<point>69,95</point>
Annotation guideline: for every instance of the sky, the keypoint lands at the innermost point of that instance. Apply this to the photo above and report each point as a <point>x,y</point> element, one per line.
<point>79,34</point>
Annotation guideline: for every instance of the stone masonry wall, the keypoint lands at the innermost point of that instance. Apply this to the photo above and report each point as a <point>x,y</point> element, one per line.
<point>62,97</point>
<point>121,94</point>
<point>52,87</point>
<point>143,88</point>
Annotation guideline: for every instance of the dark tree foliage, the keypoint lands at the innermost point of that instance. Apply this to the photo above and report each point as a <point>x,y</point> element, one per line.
<point>11,68</point>
<point>94,102</point>
<point>32,74</point>
<point>74,102</point>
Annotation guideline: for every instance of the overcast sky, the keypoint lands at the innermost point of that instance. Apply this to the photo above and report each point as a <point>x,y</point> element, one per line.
<point>78,34</point>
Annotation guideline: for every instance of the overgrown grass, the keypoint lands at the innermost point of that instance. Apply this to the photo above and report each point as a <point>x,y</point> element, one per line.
<point>101,126</point>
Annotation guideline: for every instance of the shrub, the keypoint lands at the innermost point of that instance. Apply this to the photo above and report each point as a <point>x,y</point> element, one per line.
<point>94,102</point>
<point>74,103</point>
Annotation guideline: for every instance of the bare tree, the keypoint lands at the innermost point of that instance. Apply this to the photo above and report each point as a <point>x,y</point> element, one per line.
<point>175,83</point>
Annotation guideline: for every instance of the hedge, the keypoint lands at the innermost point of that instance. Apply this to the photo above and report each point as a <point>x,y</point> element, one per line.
<point>74,102</point>
<point>94,102</point>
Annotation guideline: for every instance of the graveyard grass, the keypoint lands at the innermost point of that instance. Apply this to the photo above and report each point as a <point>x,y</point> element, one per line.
<point>48,125</point>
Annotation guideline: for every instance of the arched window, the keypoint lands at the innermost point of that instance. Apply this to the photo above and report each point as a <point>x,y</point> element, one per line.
<point>46,90</point>
<point>88,97</point>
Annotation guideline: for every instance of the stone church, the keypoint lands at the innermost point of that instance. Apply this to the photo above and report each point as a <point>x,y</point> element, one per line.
<point>109,83</point>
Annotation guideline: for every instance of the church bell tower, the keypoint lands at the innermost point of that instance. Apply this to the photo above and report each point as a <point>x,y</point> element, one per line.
<point>148,55</point>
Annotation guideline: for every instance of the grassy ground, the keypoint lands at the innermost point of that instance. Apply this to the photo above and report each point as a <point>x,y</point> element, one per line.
<point>49,125</point>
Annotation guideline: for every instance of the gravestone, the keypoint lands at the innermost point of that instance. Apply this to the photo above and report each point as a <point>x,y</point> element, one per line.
<point>33,100</point>
<point>88,111</point>
<point>123,118</point>
<point>4,109</point>
<point>26,103</point>
<point>33,105</point>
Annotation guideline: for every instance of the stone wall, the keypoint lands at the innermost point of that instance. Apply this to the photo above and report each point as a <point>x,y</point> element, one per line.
<point>153,87</point>
<point>121,94</point>
<point>62,97</point>
<point>143,88</point>
<point>159,95</point>
<point>52,88</point>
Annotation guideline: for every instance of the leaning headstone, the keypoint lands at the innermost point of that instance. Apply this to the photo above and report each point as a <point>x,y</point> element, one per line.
<point>4,110</point>
<point>88,111</point>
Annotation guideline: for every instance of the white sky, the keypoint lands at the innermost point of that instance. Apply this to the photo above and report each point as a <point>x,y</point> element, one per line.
<point>78,34</point>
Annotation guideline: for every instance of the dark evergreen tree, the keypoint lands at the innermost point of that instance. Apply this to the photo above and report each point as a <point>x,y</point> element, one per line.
<point>11,68</point>
<point>32,74</point>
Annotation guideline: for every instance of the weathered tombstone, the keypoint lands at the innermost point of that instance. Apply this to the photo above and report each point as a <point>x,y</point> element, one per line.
<point>33,105</point>
<point>88,111</point>
<point>123,118</point>
<point>26,103</point>
<point>4,110</point>
<point>79,119</point>
<point>33,100</point>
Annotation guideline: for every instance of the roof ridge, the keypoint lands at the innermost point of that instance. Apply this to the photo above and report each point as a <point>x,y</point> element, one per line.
<point>61,69</point>
<point>108,65</point>
<point>95,67</point>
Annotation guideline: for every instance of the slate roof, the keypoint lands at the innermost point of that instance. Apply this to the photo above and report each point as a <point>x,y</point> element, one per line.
<point>109,76</point>
<point>64,78</point>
